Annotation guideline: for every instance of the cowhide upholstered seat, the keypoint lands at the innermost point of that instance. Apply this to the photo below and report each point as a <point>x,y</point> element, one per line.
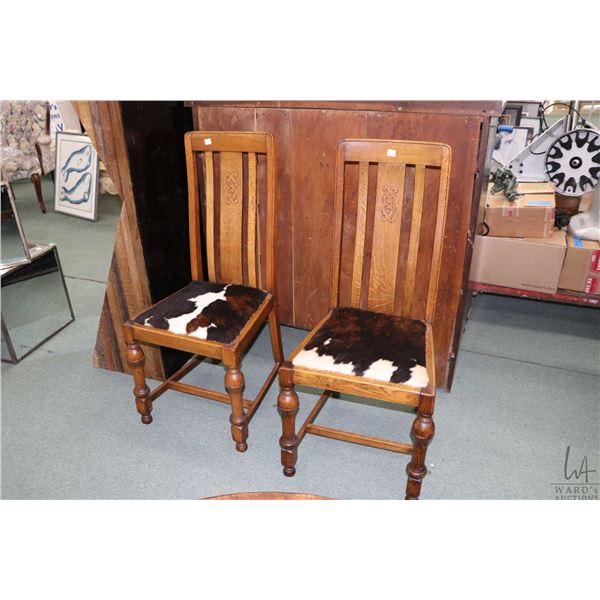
<point>368,344</point>
<point>205,310</point>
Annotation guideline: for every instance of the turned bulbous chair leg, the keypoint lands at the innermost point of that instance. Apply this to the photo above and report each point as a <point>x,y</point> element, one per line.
<point>287,404</point>
<point>235,384</point>
<point>143,402</point>
<point>422,432</point>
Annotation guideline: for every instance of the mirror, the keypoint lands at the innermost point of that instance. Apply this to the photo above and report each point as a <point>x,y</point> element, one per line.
<point>35,305</point>
<point>6,354</point>
<point>14,248</point>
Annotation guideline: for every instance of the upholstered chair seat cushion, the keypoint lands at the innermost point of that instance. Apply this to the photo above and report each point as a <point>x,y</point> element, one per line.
<point>205,310</point>
<point>368,344</point>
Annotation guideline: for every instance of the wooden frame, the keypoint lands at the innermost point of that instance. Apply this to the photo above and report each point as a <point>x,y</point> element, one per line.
<point>514,111</point>
<point>224,257</point>
<point>379,294</point>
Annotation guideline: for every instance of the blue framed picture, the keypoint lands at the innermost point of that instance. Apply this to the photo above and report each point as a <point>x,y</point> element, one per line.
<point>76,176</point>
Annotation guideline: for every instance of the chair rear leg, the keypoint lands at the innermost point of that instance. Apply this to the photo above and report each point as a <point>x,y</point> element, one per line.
<point>37,184</point>
<point>135,360</point>
<point>287,404</point>
<point>422,432</point>
<point>275,332</point>
<point>235,384</point>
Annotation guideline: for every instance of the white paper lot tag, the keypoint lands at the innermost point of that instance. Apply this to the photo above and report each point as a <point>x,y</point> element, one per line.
<point>391,153</point>
<point>207,141</point>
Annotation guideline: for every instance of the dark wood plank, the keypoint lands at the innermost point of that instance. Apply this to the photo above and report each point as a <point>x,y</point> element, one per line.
<point>413,242</point>
<point>154,143</point>
<point>462,107</point>
<point>128,290</point>
<point>484,153</point>
<point>221,118</point>
<point>278,123</point>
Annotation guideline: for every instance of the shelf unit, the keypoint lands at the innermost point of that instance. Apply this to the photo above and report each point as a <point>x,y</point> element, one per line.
<point>562,296</point>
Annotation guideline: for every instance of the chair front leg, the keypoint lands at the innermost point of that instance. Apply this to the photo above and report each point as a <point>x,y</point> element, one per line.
<point>235,384</point>
<point>422,433</point>
<point>287,404</point>
<point>135,360</point>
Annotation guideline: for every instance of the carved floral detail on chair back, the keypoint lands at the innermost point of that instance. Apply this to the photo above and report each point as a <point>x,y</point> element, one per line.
<point>388,203</point>
<point>231,187</point>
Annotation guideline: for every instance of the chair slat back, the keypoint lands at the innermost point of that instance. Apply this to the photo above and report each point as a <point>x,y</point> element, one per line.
<point>231,175</point>
<point>397,187</point>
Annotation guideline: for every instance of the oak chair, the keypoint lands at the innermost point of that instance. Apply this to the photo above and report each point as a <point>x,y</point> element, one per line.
<point>377,339</point>
<point>219,315</point>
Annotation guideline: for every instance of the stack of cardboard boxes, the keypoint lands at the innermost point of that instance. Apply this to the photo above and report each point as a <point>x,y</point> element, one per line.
<point>523,250</point>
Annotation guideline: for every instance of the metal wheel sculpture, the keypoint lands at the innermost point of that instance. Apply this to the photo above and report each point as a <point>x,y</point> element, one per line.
<point>573,162</point>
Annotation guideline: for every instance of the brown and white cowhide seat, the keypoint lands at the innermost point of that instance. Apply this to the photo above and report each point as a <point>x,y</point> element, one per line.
<point>205,310</point>
<point>368,344</point>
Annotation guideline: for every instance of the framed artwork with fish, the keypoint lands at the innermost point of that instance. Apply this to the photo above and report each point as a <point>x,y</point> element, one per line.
<point>76,176</point>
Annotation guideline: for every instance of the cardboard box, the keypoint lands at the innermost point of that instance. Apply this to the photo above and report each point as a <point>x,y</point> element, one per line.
<point>581,269</point>
<point>530,216</point>
<point>525,264</point>
<point>536,187</point>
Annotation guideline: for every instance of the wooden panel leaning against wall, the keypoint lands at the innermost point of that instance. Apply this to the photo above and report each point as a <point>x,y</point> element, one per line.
<point>141,144</point>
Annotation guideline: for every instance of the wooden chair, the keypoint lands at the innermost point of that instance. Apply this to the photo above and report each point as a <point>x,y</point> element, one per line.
<point>210,319</point>
<point>380,345</point>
